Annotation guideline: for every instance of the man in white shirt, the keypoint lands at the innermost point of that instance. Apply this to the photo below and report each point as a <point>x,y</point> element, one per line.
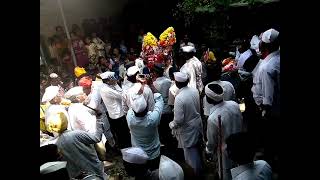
<point>111,94</point>
<point>192,67</point>
<point>187,124</point>
<point>245,53</point>
<point>231,122</point>
<point>240,147</point>
<point>133,86</point>
<point>266,91</point>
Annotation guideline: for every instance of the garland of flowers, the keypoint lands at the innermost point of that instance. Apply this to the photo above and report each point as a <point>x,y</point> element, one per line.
<point>168,37</point>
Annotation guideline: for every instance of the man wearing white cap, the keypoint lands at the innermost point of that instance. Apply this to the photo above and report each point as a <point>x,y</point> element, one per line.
<point>111,94</point>
<point>55,81</point>
<point>187,124</point>
<point>228,89</point>
<point>143,126</point>
<point>134,162</point>
<point>133,89</point>
<point>266,80</point>
<point>231,120</point>
<point>77,147</point>
<point>192,67</point>
<point>266,90</point>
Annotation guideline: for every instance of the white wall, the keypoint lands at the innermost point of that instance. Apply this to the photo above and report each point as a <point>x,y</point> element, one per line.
<point>75,11</point>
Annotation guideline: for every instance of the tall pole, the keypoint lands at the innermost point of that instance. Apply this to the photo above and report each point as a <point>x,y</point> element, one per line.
<point>67,31</point>
<point>43,58</point>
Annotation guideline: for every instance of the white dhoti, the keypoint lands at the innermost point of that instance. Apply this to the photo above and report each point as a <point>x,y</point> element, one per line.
<point>192,158</point>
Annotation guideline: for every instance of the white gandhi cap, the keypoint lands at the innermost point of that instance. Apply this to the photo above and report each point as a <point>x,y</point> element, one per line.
<point>132,70</point>
<point>50,93</point>
<point>188,49</point>
<point>269,36</point>
<point>134,155</point>
<point>50,167</point>
<point>78,90</point>
<point>107,75</point>
<point>180,76</point>
<point>139,104</point>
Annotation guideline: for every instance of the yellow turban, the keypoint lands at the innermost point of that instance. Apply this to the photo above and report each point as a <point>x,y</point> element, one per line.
<point>57,122</point>
<point>211,57</point>
<point>78,71</point>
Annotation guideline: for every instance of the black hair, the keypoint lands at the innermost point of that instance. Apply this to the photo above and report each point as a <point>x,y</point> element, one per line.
<point>218,90</point>
<point>132,78</point>
<point>99,58</point>
<point>182,84</point>
<point>135,170</point>
<point>271,47</point>
<point>171,71</point>
<point>241,148</point>
<point>58,27</point>
<point>214,71</point>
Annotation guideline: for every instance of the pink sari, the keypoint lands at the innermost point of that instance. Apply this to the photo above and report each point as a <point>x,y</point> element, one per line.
<point>80,52</point>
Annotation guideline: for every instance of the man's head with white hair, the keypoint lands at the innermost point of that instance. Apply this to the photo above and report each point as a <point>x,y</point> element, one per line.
<point>270,42</point>
<point>109,78</point>
<point>54,79</point>
<point>76,95</point>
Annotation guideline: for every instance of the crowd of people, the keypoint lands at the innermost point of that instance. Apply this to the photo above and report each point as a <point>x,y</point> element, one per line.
<point>166,119</point>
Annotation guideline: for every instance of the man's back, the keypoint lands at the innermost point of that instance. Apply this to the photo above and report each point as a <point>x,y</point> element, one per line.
<point>259,170</point>
<point>77,148</point>
<point>164,84</point>
<point>187,116</point>
<point>144,130</point>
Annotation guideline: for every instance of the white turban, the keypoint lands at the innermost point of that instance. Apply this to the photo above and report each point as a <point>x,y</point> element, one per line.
<point>254,43</point>
<point>188,49</point>
<point>53,75</point>
<point>213,95</point>
<point>269,36</point>
<point>134,155</point>
<point>75,91</point>
<point>50,93</point>
<point>168,169</point>
<point>132,70</point>
<point>108,75</point>
<point>180,76</point>
<point>139,104</point>
<point>52,166</point>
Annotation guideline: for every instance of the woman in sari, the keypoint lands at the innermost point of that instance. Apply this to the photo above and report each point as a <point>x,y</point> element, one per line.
<point>79,50</point>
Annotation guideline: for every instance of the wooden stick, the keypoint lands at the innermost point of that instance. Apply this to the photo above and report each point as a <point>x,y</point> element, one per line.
<point>220,147</point>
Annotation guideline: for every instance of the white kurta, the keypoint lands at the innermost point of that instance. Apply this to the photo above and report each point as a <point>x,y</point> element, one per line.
<point>231,120</point>
<point>112,98</point>
<point>198,69</point>
<point>132,92</point>
<point>190,70</point>
<point>173,92</point>
<point>229,94</point>
<point>163,84</point>
<point>187,119</point>
<point>266,80</point>
<point>258,170</point>
<point>243,57</point>
<point>81,119</point>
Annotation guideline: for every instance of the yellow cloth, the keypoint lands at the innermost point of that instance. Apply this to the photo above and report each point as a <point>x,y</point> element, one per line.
<point>211,57</point>
<point>57,122</point>
<point>78,71</point>
<point>43,108</point>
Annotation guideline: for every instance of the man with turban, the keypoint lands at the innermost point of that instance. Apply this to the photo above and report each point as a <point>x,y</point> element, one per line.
<point>231,120</point>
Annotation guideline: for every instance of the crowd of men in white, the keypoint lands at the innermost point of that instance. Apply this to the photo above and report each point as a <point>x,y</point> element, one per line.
<point>101,110</point>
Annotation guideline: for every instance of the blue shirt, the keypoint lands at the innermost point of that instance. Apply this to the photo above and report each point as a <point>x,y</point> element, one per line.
<point>144,130</point>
